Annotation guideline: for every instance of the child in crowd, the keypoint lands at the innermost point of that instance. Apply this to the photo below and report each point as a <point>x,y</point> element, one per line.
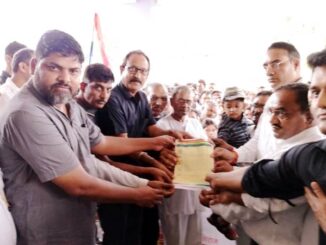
<point>234,126</point>
<point>210,128</point>
<point>234,129</point>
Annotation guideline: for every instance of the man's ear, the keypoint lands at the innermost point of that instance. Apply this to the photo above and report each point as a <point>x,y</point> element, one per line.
<point>309,117</point>
<point>33,64</point>
<point>122,68</point>
<point>22,66</point>
<point>83,86</point>
<point>296,63</point>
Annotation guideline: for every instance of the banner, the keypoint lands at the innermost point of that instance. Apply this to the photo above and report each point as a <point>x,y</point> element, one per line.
<point>194,162</point>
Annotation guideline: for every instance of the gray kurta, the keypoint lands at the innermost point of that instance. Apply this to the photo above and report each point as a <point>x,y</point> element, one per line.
<point>37,144</point>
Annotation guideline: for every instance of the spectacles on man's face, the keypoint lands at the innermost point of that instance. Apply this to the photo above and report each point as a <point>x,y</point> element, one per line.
<point>281,114</point>
<point>133,70</point>
<point>275,65</point>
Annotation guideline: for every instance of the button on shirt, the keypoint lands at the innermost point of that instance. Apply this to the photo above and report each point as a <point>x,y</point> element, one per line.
<point>39,143</point>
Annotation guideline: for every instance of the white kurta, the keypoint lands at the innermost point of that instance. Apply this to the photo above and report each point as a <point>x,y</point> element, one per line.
<point>181,213</point>
<point>254,218</point>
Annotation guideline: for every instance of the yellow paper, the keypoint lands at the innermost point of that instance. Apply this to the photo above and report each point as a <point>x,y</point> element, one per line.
<point>194,162</point>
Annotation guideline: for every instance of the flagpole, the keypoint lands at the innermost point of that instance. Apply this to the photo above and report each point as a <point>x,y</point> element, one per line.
<point>92,43</point>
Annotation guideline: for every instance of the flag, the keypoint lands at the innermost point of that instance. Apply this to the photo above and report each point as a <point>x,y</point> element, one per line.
<point>100,39</point>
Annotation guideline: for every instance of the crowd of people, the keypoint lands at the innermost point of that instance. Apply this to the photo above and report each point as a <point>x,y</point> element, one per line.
<point>74,147</point>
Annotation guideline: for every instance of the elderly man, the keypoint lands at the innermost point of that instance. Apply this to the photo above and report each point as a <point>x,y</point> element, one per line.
<point>158,97</point>
<point>181,214</point>
<point>49,172</point>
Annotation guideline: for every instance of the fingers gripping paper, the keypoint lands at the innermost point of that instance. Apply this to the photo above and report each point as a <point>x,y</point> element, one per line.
<point>194,162</point>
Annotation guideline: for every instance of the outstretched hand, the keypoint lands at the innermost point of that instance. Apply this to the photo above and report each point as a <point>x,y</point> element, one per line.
<point>180,135</point>
<point>222,144</point>
<point>317,201</point>
<point>164,141</point>
<point>167,188</point>
<point>148,196</point>
<point>169,158</point>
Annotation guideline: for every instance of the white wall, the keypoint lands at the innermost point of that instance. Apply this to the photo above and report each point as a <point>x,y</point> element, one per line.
<point>220,41</point>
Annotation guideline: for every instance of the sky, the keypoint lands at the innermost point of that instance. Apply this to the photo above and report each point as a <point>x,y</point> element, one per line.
<point>223,42</point>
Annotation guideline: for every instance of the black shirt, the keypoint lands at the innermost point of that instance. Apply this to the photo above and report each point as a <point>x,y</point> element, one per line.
<point>286,177</point>
<point>125,113</point>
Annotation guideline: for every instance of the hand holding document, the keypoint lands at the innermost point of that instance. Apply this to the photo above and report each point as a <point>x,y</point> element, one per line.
<point>194,162</point>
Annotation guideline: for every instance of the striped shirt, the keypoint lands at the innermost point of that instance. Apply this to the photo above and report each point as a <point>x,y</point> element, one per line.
<point>234,132</point>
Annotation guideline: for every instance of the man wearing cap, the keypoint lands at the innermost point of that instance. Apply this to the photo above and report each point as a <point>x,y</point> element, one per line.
<point>234,125</point>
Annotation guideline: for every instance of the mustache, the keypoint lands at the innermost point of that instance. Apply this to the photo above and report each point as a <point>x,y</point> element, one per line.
<point>135,80</point>
<point>276,126</point>
<point>61,84</point>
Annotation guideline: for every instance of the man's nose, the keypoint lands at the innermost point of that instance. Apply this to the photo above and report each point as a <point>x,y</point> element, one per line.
<point>321,100</point>
<point>274,119</point>
<point>65,76</point>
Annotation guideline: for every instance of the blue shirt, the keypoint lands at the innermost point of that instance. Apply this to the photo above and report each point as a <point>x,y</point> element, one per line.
<point>234,132</point>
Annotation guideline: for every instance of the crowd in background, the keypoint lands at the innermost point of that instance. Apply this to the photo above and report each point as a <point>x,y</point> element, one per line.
<point>62,168</point>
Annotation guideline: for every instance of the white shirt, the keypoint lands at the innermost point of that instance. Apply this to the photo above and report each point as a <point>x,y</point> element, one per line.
<point>254,217</point>
<point>7,91</point>
<point>7,226</point>
<point>8,230</point>
<point>183,201</point>
<point>190,125</point>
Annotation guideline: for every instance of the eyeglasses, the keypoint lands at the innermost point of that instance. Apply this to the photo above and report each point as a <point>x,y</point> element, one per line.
<point>134,70</point>
<point>274,64</point>
<point>282,114</point>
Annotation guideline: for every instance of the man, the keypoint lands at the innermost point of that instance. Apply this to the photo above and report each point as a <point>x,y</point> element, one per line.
<point>288,107</point>
<point>95,90</point>
<point>10,50</point>
<point>21,72</point>
<point>46,143</point>
<point>282,67</point>
<point>258,104</point>
<point>297,168</point>
<point>157,95</point>
<point>128,114</point>
<point>181,213</point>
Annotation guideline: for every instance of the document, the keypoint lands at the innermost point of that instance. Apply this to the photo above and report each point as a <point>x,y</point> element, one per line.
<point>194,163</point>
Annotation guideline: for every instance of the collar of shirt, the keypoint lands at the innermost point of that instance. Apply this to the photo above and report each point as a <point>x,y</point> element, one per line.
<point>9,88</point>
<point>126,93</point>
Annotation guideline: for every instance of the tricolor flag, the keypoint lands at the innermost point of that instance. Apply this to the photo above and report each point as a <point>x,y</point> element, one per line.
<point>100,39</point>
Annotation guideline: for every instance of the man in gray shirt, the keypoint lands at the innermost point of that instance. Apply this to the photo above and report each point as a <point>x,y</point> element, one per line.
<point>46,141</point>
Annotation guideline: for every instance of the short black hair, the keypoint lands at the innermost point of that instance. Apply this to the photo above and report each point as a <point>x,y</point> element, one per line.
<point>55,41</point>
<point>317,59</point>
<point>98,73</point>
<point>293,52</point>
<point>208,122</point>
<point>264,93</point>
<point>13,47</point>
<point>22,55</point>
<point>301,92</point>
<point>135,52</point>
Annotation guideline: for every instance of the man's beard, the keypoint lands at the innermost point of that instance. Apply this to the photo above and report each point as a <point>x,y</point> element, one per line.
<point>53,97</point>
